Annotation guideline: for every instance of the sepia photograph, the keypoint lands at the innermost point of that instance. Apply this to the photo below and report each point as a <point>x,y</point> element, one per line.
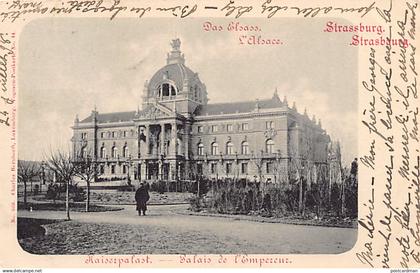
<point>208,136</point>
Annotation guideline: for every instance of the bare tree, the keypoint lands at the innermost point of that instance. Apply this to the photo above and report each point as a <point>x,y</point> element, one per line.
<point>26,172</point>
<point>279,170</point>
<point>259,164</point>
<point>300,166</point>
<point>62,164</point>
<point>335,173</point>
<point>85,169</point>
<point>295,173</point>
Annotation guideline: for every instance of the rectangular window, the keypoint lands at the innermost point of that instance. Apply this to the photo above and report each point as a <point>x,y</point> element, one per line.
<point>113,134</point>
<point>84,135</point>
<point>213,168</point>
<point>228,168</point>
<point>269,124</point>
<point>102,135</point>
<point>124,169</point>
<point>269,167</point>
<point>244,168</point>
<point>101,169</point>
<point>200,129</point>
<point>245,126</point>
<point>214,128</point>
<point>124,133</point>
<point>229,128</point>
<point>112,169</point>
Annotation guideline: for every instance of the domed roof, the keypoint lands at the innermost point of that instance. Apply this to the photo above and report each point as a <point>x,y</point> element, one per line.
<point>175,72</point>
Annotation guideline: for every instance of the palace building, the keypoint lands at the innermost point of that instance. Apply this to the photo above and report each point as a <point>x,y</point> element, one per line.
<point>178,134</point>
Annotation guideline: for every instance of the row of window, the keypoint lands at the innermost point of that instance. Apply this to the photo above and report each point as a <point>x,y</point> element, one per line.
<point>230,148</point>
<point>215,128</point>
<point>114,134</point>
<point>114,152</point>
<point>229,127</point>
<point>103,154</point>
<point>214,149</point>
<point>200,129</point>
<point>166,89</point>
<point>111,134</point>
<point>269,168</point>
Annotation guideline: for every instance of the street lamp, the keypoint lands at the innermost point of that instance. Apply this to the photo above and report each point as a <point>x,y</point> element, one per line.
<point>128,170</point>
<point>142,137</point>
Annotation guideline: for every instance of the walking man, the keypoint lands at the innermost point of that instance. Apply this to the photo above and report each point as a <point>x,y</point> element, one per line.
<point>142,196</point>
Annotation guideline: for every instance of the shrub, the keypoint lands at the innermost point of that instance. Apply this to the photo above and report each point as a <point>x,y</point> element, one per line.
<point>196,203</point>
<point>77,194</point>
<point>52,192</point>
<point>126,188</point>
<point>275,199</point>
<point>158,186</point>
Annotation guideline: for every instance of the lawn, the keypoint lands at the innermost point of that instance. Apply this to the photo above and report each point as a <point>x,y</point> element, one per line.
<point>71,237</point>
<point>61,206</point>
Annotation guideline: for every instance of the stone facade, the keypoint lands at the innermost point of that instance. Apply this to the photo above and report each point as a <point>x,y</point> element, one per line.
<point>179,135</point>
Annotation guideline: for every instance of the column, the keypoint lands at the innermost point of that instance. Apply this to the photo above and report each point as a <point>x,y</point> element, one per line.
<point>172,170</point>
<point>143,170</point>
<point>162,139</point>
<point>186,139</point>
<point>160,170</point>
<point>179,175</point>
<point>174,137</point>
<point>147,142</point>
<point>137,168</point>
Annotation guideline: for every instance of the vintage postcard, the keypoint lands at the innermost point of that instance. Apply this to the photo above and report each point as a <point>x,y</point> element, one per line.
<point>141,134</point>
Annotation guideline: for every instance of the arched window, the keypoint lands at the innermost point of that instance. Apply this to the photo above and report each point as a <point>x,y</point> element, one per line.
<point>166,90</point>
<point>173,90</point>
<point>114,152</point>
<point>229,148</point>
<point>125,151</point>
<point>245,148</point>
<point>200,149</point>
<point>269,146</point>
<point>214,148</point>
<point>103,152</point>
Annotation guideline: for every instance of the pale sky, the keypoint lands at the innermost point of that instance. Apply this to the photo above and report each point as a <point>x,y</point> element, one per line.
<point>66,66</point>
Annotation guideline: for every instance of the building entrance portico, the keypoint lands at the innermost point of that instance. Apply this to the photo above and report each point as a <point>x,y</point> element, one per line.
<point>158,145</point>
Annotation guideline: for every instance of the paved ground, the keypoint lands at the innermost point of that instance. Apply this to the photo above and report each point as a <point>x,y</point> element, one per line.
<point>177,233</point>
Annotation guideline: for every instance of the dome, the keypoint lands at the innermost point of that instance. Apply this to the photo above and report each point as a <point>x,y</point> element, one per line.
<point>176,73</point>
<point>174,81</point>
